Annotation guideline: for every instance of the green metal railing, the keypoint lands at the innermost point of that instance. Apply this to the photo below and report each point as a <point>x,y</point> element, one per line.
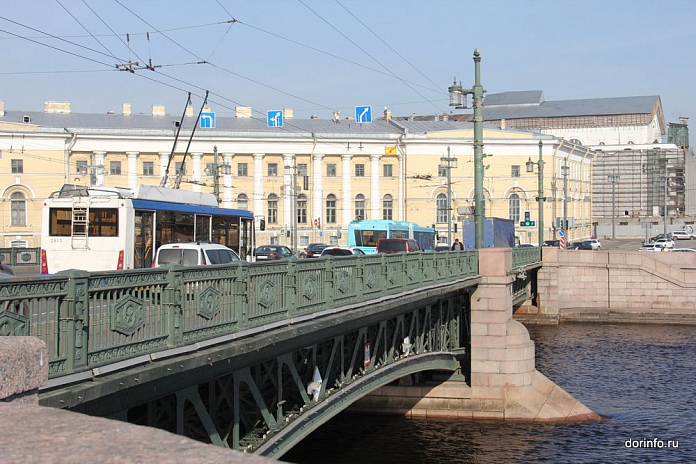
<point>525,256</point>
<point>94,319</point>
<point>20,256</point>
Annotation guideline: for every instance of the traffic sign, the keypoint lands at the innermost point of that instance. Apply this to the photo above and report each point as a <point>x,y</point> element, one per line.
<point>207,120</point>
<point>316,223</point>
<point>275,118</point>
<point>363,114</point>
<point>561,241</point>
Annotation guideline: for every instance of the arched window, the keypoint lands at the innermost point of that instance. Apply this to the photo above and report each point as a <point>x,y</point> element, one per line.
<point>441,202</point>
<point>302,209</point>
<point>360,206</point>
<point>273,208</point>
<point>514,208</point>
<point>18,209</point>
<point>387,207</point>
<point>331,209</point>
<point>242,201</point>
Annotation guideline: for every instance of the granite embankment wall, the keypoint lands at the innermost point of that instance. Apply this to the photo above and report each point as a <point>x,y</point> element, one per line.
<point>614,286</point>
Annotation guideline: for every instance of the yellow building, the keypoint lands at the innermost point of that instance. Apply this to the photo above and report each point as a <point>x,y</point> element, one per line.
<point>338,170</point>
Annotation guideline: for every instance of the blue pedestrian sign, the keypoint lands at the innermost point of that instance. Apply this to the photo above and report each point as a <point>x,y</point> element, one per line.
<point>207,120</point>
<point>275,118</point>
<point>363,114</point>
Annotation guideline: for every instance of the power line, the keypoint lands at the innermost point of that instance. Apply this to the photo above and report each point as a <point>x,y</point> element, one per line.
<point>84,27</point>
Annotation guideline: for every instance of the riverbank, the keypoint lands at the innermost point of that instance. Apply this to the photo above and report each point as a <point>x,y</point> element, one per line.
<point>530,316</point>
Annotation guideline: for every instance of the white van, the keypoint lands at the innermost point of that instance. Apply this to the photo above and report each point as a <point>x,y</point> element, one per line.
<point>194,254</point>
<point>681,235</point>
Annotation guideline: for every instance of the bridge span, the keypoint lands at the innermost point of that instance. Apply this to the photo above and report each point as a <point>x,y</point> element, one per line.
<point>255,357</point>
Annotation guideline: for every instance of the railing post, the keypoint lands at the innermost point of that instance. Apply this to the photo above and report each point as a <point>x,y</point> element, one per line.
<point>242,297</point>
<point>172,300</point>
<point>75,317</point>
<point>290,289</point>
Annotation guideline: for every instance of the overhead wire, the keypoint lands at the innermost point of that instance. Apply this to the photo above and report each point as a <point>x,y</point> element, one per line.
<point>84,27</point>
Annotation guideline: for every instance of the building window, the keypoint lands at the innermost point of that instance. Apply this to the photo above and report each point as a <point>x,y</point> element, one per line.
<point>441,203</point>
<point>302,209</point>
<point>242,201</point>
<point>331,209</point>
<point>179,166</point>
<point>301,170</point>
<point>272,169</point>
<point>360,207</point>
<point>81,167</point>
<point>115,168</point>
<point>304,240</point>
<point>515,171</point>
<point>387,207</point>
<point>18,209</point>
<point>330,170</point>
<point>359,170</point>
<point>442,171</point>
<point>148,168</point>
<point>242,170</point>
<point>273,208</point>
<point>275,240</point>
<point>514,208</point>
<point>17,166</point>
<point>387,170</point>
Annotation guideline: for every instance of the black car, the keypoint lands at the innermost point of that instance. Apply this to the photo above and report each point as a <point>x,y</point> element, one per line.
<point>272,252</point>
<point>552,243</point>
<point>580,246</point>
<point>6,270</point>
<point>314,250</point>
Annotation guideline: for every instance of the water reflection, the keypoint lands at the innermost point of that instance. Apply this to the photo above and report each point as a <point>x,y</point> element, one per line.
<point>640,376</point>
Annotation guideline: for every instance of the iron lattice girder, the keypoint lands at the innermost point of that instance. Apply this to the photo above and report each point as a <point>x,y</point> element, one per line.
<point>246,392</point>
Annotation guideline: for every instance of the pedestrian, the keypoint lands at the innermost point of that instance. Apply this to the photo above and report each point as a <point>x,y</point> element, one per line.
<point>457,245</point>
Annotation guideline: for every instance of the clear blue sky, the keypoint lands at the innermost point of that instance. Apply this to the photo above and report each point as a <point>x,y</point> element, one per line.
<point>316,56</point>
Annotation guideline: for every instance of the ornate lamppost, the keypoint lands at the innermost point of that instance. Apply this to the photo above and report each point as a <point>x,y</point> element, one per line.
<point>540,195</point>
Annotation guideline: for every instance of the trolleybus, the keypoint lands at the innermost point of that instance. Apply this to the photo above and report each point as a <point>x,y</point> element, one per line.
<point>365,233</point>
<point>109,228</point>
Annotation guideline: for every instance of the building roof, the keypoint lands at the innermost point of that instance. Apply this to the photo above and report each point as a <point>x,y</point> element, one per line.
<point>516,105</point>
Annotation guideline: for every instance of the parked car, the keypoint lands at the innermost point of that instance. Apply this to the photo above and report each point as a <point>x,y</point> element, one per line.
<point>524,245</point>
<point>596,244</point>
<point>657,237</point>
<point>552,243</point>
<point>584,245</point>
<point>681,235</point>
<point>341,251</point>
<point>6,270</point>
<point>654,247</point>
<point>397,245</point>
<point>666,242</point>
<point>194,254</point>
<point>272,252</point>
<point>442,247</point>
<point>684,250</point>
<point>314,250</point>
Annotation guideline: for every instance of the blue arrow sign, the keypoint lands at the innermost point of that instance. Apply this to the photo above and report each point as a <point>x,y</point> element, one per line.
<point>561,232</point>
<point>363,114</point>
<point>207,120</point>
<point>275,118</point>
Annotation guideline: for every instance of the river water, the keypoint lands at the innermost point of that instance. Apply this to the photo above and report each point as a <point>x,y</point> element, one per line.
<point>642,378</point>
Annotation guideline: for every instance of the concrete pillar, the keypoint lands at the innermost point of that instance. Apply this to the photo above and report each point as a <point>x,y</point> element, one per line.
<point>375,197</point>
<point>227,188</point>
<point>196,177</point>
<point>347,194</point>
<point>287,189</point>
<point>132,169</point>
<point>99,167</point>
<point>318,203</point>
<point>258,185</point>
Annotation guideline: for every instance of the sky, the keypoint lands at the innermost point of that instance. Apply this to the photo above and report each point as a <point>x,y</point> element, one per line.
<point>321,56</point>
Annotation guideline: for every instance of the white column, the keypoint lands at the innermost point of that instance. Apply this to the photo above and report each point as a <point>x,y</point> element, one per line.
<point>287,189</point>
<point>402,195</point>
<point>347,194</point>
<point>258,185</point>
<point>375,198</point>
<point>164,161</point>
<point>196,160</point>
<point>132,169</point>
<point>318,203</point>
<point>227,191</point>
<point>99,167</point>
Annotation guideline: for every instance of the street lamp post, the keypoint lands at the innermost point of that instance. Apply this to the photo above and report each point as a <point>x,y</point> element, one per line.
<point>293,206</point>
<point>457,97</point>
<point>215,172</point>
<point>564,168</point>
<point>447,165</point>
<point>540,194</point>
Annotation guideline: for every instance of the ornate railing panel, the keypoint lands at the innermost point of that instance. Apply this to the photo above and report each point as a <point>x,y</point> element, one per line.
<point>524,256</point>
<point>21,256</point>
<point>89,320</point>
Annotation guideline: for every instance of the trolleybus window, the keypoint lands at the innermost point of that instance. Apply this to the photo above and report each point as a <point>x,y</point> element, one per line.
<point>103,222</point>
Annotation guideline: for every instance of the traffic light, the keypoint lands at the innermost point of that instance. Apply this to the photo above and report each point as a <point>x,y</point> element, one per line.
<point>262,224</point>
<point>527,220</point>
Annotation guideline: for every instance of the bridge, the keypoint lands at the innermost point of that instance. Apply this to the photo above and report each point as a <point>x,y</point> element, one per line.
<point>256,356</point>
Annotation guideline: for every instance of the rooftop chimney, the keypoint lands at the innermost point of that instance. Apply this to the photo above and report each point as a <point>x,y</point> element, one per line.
<point>502,124</point>
<point>288,113</point>
<point>57,107</point>
<point>126,109</point>
<point>387,114</point>
<point>189,111</point>
<point>2,108</point>
<point>682,120</point>
<point>314,116</point>
<point>242,112</point>
<point>158,110</point>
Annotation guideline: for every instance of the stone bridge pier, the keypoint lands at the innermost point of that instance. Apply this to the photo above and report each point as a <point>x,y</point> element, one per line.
<point>503,382</point>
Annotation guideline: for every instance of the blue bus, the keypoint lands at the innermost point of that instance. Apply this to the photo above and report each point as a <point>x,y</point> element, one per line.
<point>364,234</point>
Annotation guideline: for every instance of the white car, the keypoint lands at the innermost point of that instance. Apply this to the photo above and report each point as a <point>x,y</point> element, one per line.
<point>596,244</point>
<point>653,247</point>
<point>341,251</point>
<point>684,250</point>
<point>194,254</point>
<point>681,235</point>
<point>665,242</point>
